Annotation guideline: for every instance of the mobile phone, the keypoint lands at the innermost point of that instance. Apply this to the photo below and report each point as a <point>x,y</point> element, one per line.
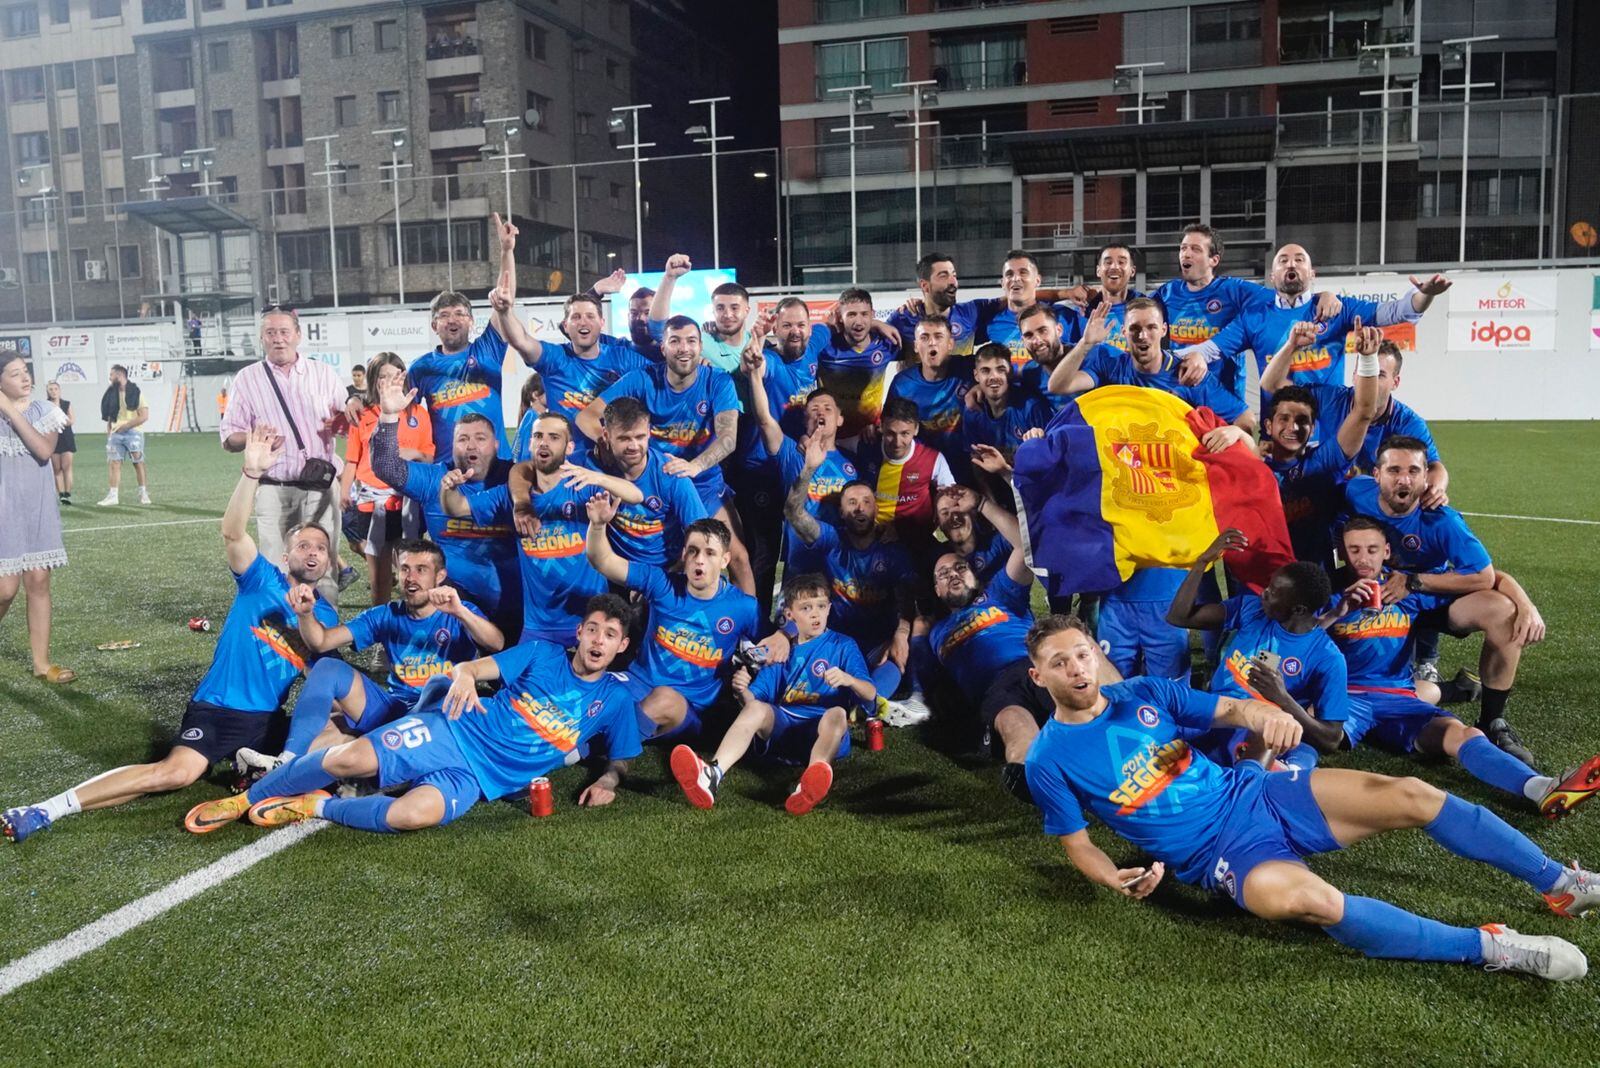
<point>1136,880</point>
<point>1268,658</point>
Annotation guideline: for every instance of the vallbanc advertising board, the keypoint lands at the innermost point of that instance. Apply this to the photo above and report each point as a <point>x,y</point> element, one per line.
<point>1500,312</point>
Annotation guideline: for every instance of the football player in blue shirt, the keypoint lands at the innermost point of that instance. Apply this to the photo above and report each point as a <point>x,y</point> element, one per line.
<point>936,278</point>
<point>697,621</point>
<point>724,338</point>
<point>694,422</point>
<point>578,370</point>
<point>455,748</point>
<point>544,500</point>
<point>1263,327</point>
<point>1116,266</point>
<point>1335,402</point>
<point>1275,651</point>
<point>1311,474</point>
<point>1386,706</point>
<point>425,633</point>
<point>459,378</point>
<point>1199,302</point>
<point>1002,319</point>
<point>854,365</point>
<point>937,384</point>
<point>259,656</point>
<point>653,530</point>
<point>1004,415</point>
<point>1436,552</point>
<point>1118,752</point>
<point>795,713</point>
<point>482,561</point>
<point>872,577</point>
<point>960,512</point>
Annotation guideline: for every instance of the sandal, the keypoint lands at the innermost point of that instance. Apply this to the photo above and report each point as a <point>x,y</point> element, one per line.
<point>56,675</point>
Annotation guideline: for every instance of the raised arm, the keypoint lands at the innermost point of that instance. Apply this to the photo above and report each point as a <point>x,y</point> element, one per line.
<point>483,633</point>
<point>41,445</point>
<point>451,499</point>
<point>795,510</point>
<point>1424,290</point>
<point>677,266</point>
<point>262,447</point>
<point>753,362</point>
<point>1184,612</point>
<point>591,420</point>
<point>506,321</point>
<point>1276,374</point>
<point>385,444</point>
<point>602,509</point>
<point>1364,408</point>
<point>506,231</point>
<point>1067,377</point>
<point>318,638</point>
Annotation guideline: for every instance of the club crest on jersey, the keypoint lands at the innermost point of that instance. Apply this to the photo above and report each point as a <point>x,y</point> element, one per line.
<point>850,470</point>
<point>956,330</point>
<point>569,510</point>
<point>819,668</point>
<point>1291,665</point>
<point>703,407</point>
<point>441,637</point>
<point>193,734</point>
<point>877,358</point>
<point>1213,306</point>
<point>653,503</point>
<point>725,625</point>
<point>411,421</point>
<point>391,739</point>
<point>1148,715</point>
<point>1412,542</point>
<point>595,708</point>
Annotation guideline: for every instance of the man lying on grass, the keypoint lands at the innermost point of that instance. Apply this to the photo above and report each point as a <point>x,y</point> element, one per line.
<point>454,749</point>
<point>1116,752</point>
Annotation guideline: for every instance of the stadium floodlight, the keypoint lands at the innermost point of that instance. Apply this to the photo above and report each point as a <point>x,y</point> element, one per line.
<point>1372,64</point>
<point>618,124</point>
<point>510,129</point>
<point>397,141</point>
<point>704,136</point>
<point>860,97</point>
<point>1461,48</point>
<point>45,195</point>
<point>330,167</point>
<point>923,94</point>
<point>1131,75</point>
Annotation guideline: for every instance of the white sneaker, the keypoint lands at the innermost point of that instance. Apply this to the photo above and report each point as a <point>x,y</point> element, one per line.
<point>906,713</point>
<point>254,761</point>
<point>1546,956</point>
<point>698,779</point>
<point>1576,895</point>
<point>144,495</point>
<point>108,500</point>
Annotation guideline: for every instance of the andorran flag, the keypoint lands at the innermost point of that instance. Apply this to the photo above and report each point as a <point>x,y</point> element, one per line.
<point>1120,481</point>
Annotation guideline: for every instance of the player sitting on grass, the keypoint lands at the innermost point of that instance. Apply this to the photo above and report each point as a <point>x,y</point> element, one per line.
<point>1117,752</point>
<point>258,657</point>
<point>1275,653</point>
<point>697,620</point>
<point>1385,708</point>
<point>795,712</point>
<point>453,748</point>
<point>425,633</point>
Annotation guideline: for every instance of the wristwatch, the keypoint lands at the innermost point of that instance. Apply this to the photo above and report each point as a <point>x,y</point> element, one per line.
<point>1413,582</point>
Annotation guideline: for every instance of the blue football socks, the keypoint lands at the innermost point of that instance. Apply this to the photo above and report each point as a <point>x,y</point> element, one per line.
<point>1379,929</point>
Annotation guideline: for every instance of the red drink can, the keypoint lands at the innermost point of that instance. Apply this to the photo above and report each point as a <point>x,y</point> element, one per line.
<point>874,734</point>
<point>1375,595</point>
<point>541,799</point>
<point>199,623</point>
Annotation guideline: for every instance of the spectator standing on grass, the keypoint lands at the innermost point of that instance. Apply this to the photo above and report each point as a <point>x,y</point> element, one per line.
<point>124,410</point>
<point>303,400</point>
<point>66,444</point>
<point>30,531</point>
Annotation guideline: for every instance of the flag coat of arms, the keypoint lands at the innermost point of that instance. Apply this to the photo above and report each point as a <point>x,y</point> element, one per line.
<point>1120,481</point>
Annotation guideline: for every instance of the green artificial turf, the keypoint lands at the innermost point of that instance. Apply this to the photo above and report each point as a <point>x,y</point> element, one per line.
<point>918,916</point>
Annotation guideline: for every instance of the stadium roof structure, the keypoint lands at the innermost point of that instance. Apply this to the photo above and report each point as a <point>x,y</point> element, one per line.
<point>1158,144</point>
<point>188,215</point>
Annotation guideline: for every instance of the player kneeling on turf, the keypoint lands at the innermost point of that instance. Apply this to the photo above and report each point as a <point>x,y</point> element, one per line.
<point>1117,752</point>
<point>794,712</point>
<point>453,748</point>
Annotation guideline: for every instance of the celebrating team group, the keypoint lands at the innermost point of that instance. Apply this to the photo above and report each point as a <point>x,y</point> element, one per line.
<point>605,577</point>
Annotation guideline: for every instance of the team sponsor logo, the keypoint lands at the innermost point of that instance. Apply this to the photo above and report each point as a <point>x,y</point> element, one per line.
<point>1148,715</point>
<point>1501,334</point>
<point>1315,359</point>
<point>991,615</point>
<point>690,646</point>
<point>70,372</point>
<point>1291,665</point>
<point>193,734</point>
<point>1150,472</point>
<point>547,720</point>
<point>681,435</point>
<point>725,625</point>
<point>391,739</point>
<point>467,529</point>
<point>551,544</point>
<point>1412,542</point>
<point>415,671</point>
<point>456,394</point>
<point>1149,773</point>
<point>1388,622</point>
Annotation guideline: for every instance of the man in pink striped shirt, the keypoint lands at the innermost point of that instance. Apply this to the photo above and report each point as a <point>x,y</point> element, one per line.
<point>314,397</point>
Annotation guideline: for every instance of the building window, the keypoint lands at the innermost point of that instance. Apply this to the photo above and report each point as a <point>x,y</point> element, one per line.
<point>75,206</point>
<point>33,148</point>
<point>389,106</point>
<point>37,266</point>
<point>1225,35</point>
<point>613,69</point>
<point>212,5</point>
<point>222,124</point>
<point>879,63</point>
<point>105,9</point>
<point>616,194</point>
<point>541,183</point>
<point>105,70</point>
<point>60,12</point>
<point>427,242</point>
<point>586,187</point>
<point>344,41</point>
<point>19,20</point>
<point>228,189</point>
<point>542,104</point>
<point>344,110</point>
<point>346,176</point>
<point>580,59</point>
<point>534,40</point>
<point>309,251</point>
<point>386,35</point>
<point>31,211</point>
<point>219,57</point>
<point>70,144</point>
<point>79,257</point>
<point>584,122</point>
<point>980,61</point>
<point>850,10</point>
<point>110,136</point>
<point>116,196</point>
<point>126,257</point>
<point>165,10</point>
<point>66,76</point>
<point>25,84</point>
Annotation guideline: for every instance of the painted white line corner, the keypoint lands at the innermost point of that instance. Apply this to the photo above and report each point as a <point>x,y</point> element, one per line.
<point>1534,518</point>
<point>46,959</point>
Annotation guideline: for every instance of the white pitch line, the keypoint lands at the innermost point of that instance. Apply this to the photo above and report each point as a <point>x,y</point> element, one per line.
<point>142,526</point>
<point>46,959</point>
<point>1534,518</point>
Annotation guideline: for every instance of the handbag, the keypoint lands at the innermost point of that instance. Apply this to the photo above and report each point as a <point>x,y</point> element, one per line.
<point>315,473</point>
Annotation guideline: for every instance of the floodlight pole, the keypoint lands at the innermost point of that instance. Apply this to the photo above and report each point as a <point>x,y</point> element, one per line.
<point>45,196</point>
<point>329,168</point>
<point>1467,86</point>
<point>397,140</point>
<point>918,90</point>
<point>711,139</point>
<point>1383,167</point>
<point>857,94</point>
<point>638,187</point>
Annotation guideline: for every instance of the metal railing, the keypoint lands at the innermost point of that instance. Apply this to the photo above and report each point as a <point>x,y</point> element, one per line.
<point>980,74</point>
<point>881,79</point>
<point>455,119</point>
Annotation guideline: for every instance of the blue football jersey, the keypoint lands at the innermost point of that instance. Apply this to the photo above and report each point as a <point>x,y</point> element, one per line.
<point>1024,411</point>
<point>557,578</point>
<point>1113,367</point>
<point>571,381</point>
<point>651,532</point>
<point>865,585</point>
<point>940,405</point>
<point>1333,406</point>
<point>964,316</point>
<point>1311,486</point>
<point>1377,643</point>
<point>682,423</point>
<point>1196,315</point>
<point>797,684</point>
<point>688,642</point>
<point>976,641</point>
<point>457,384</point>
<point>1427,540</point>
<point>480,558</point>
<point>858,377</point>
<point>418,648</point>
<point>1313,670</point>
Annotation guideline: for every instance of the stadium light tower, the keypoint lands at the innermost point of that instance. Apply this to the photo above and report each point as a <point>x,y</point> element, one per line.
<point>702,136</point>
<point>1124,81</point>
<point>509,131</point>
<point>330,167</point>
<point>45,194</point>
<point>397,141</point>
<point>617,124</point>
<point>860,98</point>
<point>923,95</point>
<point>1457,52</point>
<point>1370,55</point>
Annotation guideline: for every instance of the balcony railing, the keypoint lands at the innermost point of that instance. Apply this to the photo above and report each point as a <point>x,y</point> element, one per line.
<point>173,74</point>
<point>455,119</point>
<point>980,74</point>
<point>450,47</point>
<point>881,79</point>
<point>850,10</point>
